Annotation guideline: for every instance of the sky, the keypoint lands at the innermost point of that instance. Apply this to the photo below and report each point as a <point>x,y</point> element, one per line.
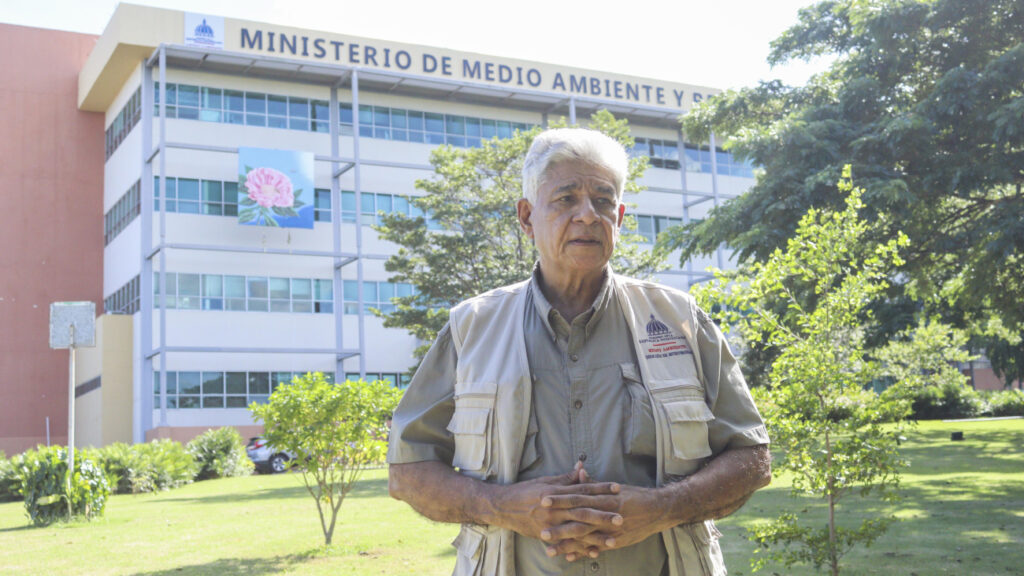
<point>716,43</point>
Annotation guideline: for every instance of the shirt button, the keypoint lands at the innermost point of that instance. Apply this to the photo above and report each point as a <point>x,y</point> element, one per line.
<point>578,404</point>
<point>583,458</point>
<point>594,566</point>
<point>574,358</point>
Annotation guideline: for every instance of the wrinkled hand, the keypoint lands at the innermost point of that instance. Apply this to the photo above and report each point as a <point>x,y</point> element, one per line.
<point>529,508</point>
<point>630,514</point>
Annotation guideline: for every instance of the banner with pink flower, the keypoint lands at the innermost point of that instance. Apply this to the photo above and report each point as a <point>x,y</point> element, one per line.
<point>275,188</point>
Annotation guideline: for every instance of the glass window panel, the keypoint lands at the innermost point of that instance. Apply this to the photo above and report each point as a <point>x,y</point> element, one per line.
<point>235,382</point>
<point>212,191</point>
<point>234,100</point>
<point>302,289</point>
<point>398,118</point>
<point>403,290</point>
<point>298,107</point>
<point>235,304</point>
<point>303,307</point>
<point>345,113</point>
<point>351,290</point>
<point>280,306</point>
<point>277,121</point>
<point>257,304</point>
<point>213,382</point>
<point>384,203</point>
<point>190,207</point>
<point>211,98</point>
<point>415,120</point>
<point>188,189</point>
<point>504,130</point>
<point>381,116</point>
<point>236,402</point>
<point>323,199</point>
<point>456,140</point>
<point>234,286</point>
<point>298,123</point>
<point>434,122</point>
<point>473,127</point>
<point>368,203</point>
<point>188,95</point>
<point>455,125</point>
<point>387,291</point>
<point>391,379</point>
<point>351,309</point>
<point>434,138</point>
<point>321,126</point>
<point>279,288</point>
<point>213,401</point>
<point>321,110</point>
<point>353,376</point>
<point>348,201</point>
<point>188,284</point>
<point>260,399</point>
<point>255,103</point>
<point>187,402</point>
<point>366,115</point>
<point>259,383</point>
<point>257,287</point>
<point>488,129</point>
<point>213,209</point>
<point>401,205</point>
<point>323,307</point>
<point>189,382</point>
<point>325,290</point>
<point>213,285</point>
<point>370,292</point>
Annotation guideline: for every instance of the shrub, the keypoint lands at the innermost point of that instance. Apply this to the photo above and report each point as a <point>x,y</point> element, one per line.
<point>10,478</point>
<point>43,485</point>
<point>220,453</point>
<point>1006,403</point>
<point>947,400</point>
<point>157,465</point>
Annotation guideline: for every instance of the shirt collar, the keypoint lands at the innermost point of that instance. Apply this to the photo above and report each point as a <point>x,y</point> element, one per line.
<point>595,312</point>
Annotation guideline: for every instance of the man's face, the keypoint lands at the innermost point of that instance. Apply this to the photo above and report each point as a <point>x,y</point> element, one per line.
<point>575,222</point>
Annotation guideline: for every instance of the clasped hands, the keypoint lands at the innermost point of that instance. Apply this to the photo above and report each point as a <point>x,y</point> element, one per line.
<point>578,517</point>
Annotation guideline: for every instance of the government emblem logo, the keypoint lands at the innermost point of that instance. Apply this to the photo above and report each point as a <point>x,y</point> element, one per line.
<point>662,342</point>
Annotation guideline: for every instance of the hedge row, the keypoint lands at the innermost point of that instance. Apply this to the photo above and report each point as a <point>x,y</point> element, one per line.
<point>38,477</point>
<point>952,401</point>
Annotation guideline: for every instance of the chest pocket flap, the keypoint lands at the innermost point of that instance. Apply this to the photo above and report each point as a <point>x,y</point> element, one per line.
<point>688,420</point>
<point>470,427</point>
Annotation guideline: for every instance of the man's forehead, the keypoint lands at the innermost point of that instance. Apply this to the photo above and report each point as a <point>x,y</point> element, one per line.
<point>572,169</point>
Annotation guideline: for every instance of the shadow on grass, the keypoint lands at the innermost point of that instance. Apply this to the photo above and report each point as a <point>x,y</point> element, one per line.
<point>376,488</point>
<point>19,528</point>
<point>236,566</point>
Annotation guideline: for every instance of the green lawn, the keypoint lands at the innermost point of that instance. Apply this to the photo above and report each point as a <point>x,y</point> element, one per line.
<point>962,513</point>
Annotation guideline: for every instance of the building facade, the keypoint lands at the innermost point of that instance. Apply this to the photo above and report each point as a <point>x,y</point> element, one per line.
<point>203,315</point>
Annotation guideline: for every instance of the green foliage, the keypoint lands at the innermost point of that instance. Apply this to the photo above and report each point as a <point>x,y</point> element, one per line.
<point>220,453</point>
<point>157,465</point>
<point>947,400</point>
<point>924,100</point>
<point>10,479</point>
<point>480,246</point>
<point>336,431</point>
<point>835,434</point>
<point>1006,403</point>
<point>43,475</point>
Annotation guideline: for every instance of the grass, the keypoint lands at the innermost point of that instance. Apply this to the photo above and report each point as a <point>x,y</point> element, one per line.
<point>962,513</point>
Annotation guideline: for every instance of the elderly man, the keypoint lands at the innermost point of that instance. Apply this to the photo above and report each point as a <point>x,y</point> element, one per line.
<point>579,415</point>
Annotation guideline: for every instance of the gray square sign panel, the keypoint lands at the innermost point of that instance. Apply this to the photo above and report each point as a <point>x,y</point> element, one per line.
<point>64,315</point>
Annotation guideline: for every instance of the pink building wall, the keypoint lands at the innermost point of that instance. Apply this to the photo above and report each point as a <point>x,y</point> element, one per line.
<point>51,228</point>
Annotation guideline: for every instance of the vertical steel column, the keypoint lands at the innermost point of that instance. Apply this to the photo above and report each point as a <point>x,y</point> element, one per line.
<point>714,191</point>
<point>572,110</point>
<point>339,337</point>
<point>142,403</point>
<point>359,220</point>
<point>163,236</point>
<point>681,145</point>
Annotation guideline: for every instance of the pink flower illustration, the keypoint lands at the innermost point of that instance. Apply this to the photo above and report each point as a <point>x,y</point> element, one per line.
<point>268,187</point>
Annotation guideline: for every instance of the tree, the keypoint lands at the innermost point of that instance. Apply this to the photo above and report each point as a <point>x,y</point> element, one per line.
<point>335,430</point>
<point>478,245</point>
<point>924,99</point>
<point>829,427</point>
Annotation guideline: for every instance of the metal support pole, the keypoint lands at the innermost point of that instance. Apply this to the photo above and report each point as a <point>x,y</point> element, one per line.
<point>338,293</point>
<point>357,177</point>
<point>71,418</point>
<point>163,234</point>
<point>681,145</point>
<point>572,110</point>
<point>142,403</point>
<point>714,191</point>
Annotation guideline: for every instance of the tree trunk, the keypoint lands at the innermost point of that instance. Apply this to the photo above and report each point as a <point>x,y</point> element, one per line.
<point>833,555</point>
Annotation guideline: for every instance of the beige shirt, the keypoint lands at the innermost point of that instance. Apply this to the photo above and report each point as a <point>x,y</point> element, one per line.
<point>587,403</point>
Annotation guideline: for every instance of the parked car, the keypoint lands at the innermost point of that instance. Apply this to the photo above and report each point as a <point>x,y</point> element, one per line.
<point>266,458</point>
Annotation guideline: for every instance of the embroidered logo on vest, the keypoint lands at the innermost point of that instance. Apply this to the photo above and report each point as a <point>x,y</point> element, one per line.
<point>661,342</point>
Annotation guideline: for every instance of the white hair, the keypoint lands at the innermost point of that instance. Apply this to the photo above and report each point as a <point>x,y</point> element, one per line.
<point>579,144</point>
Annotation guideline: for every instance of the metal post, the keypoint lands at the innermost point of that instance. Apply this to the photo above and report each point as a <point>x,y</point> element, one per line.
<point>359,221</point>
<point>681,145</point>
<point>572,110</point>
<point>163,237</point>
<point>339,328</point>
<point>71,418</point>
<point>714,191</point>
<point>47,431</point>
<point>143,400</point>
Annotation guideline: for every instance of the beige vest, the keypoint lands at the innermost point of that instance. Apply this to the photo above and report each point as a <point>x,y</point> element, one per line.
<point>493,392</point>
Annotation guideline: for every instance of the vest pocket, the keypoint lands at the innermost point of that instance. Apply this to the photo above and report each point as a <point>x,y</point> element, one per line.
<point>471,425</point>
<point>688,425</point>
<point>469,545</point>
<point>639,417</point>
